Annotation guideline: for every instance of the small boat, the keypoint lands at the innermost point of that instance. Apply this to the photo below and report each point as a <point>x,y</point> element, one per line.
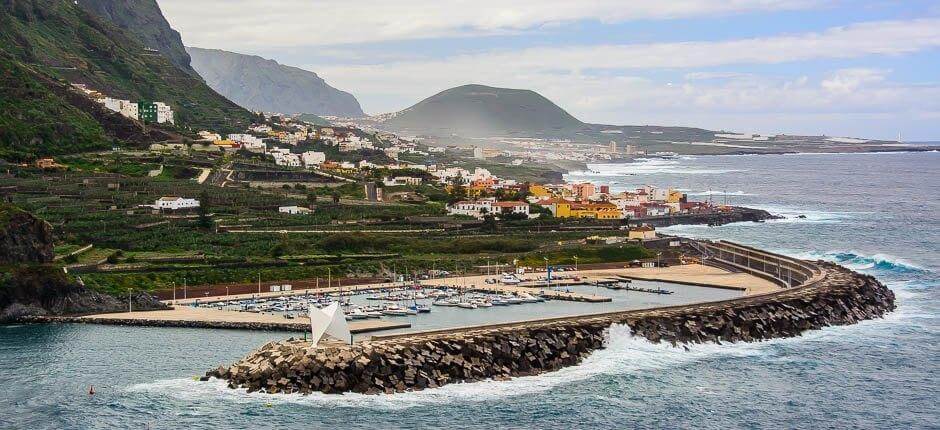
<point>395,310</point>
<point>467,305</point>
<point>528,298</point>
<point>423,309</point>
<point>448,302</point>
<point>510,279</point>
<point>357,314</point>
<point>483,304</point>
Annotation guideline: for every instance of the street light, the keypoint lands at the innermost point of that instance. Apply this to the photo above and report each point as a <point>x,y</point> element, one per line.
<point>575,263</point>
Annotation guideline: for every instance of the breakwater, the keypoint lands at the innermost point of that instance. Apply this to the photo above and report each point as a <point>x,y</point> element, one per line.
<point>830,295</point>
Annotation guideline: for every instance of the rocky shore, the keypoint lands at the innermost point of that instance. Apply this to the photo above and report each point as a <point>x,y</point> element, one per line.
<point>420,361</point>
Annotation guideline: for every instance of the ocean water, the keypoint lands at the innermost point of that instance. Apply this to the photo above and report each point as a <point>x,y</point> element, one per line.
<point>874,213</point>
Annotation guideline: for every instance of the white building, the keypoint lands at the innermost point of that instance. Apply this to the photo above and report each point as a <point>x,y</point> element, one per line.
<point>511,208</point>
<point>209,136</point>
<point>477,209</point>
<point>294,210</point>
<point>164,113</point>
<point>129,109</point>
<point>123,107</point>
<point>175,203</point>
<point>286,159</point>
<point>313,158</point>
<point>246,139</point>
<point>401,180</point>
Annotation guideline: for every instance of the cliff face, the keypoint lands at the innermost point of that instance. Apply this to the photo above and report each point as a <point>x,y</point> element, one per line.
<point>260,84</point>
<point>30,286</point>
<point>23,238</point>
<point>145,20</point>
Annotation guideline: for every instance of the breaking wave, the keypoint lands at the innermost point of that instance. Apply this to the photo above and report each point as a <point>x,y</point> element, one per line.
<point>625,354</point>
<point>879,263</point>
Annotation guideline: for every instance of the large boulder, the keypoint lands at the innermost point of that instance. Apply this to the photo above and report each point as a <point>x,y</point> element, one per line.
<point>23,237</point>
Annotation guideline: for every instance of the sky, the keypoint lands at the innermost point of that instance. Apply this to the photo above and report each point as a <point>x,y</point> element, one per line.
<point>841,68</point>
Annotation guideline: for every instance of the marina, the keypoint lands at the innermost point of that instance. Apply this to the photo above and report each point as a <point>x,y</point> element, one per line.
<point>436,304</point>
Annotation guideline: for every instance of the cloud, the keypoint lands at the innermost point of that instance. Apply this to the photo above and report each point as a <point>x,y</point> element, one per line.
<point>244,24</point>
<point>569,73</point>
<point>846,81</point>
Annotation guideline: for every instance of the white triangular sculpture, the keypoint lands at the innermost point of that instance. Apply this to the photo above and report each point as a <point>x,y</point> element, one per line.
<point>330,320</point>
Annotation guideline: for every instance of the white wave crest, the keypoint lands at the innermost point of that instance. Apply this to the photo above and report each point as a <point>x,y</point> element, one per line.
<point>625,354</point>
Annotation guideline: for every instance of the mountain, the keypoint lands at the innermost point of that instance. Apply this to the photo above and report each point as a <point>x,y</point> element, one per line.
<point>482,111</point>
<point>145,20</point>
<point>45,45</point>
<point>261,84</point>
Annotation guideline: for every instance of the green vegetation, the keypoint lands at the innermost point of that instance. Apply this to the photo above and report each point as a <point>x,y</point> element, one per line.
<point>238,234</point>
<point>46,44</point>
<point>34,120</point>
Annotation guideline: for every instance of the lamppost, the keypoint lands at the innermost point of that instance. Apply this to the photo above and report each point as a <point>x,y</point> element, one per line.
<point>575,263</point>
<point>548,274</point>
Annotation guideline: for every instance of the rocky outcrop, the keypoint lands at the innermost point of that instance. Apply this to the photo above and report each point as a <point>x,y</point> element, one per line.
<point>23,237</point>
<point>419,361</point>
<point>31,286</point>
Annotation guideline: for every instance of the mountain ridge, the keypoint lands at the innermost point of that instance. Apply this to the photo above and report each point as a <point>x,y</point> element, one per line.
<point>262,84</point>
<point>145,20</point>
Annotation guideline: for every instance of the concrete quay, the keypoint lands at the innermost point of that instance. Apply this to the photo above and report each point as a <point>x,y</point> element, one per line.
<point>191,317</point>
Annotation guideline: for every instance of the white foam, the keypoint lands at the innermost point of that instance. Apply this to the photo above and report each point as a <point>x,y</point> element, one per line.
<point>645,166</point>
<point>625,354</point>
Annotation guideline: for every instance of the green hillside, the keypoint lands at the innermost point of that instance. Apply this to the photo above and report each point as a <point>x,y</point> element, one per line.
<point>46,44</point>
<point>481,111</point>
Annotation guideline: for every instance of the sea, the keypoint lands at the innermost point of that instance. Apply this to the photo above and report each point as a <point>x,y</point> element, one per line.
<point>874,213</point>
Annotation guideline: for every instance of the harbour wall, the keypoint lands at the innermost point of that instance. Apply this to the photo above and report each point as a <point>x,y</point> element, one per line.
<point>827,295</point>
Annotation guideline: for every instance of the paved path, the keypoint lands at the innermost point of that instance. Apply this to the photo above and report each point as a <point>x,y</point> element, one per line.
<point>187,313</point>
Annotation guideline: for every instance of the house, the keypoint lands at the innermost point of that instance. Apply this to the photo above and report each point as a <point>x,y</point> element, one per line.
<point>313,158</point>
<point>510,208</point>
<point>643,232</point>
<point>401,180</point>
<point>175,203</point>
<point>47,163</point>
<point>474,208</point>
<point>294,210</point>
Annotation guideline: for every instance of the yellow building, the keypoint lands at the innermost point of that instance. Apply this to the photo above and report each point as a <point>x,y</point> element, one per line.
<point>225,142</point>
<point>605,211</point>
<point>674,197</point>
<point>540,192</point>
